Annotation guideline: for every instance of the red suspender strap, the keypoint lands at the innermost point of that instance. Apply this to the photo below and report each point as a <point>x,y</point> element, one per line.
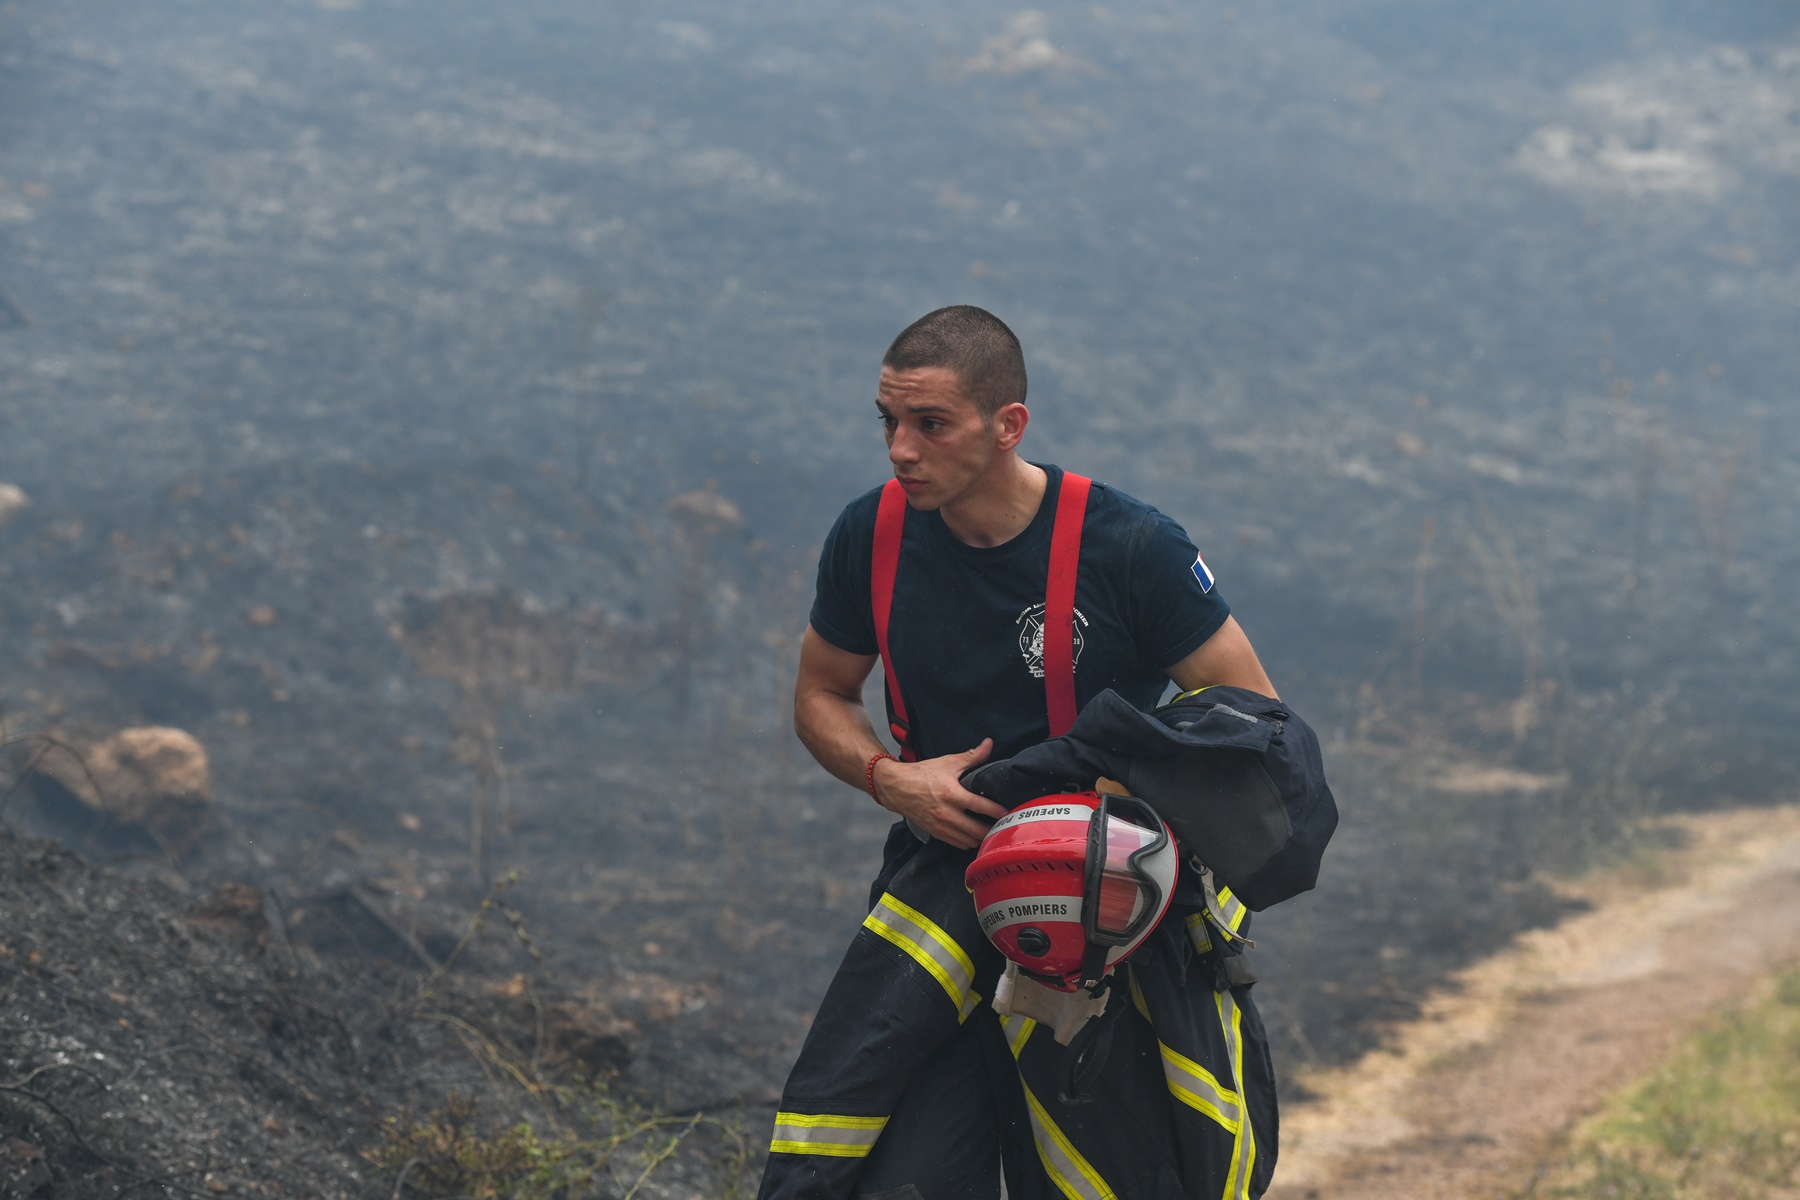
<point>890,523</point>
<point>1059,602</point>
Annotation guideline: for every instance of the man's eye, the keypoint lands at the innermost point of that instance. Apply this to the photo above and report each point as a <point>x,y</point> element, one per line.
<point>930,426</point>
<point>886,420</point>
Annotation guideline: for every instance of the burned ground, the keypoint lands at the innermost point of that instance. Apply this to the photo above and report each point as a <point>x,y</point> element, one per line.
<point>412,683</point>
<point>178,1042</point>
<point>434,410</point>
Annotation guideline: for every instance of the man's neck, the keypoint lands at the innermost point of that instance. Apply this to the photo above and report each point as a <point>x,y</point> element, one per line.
<point>998,507</point>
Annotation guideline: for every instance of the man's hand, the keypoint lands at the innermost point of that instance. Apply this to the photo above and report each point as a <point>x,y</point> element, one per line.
<point>930,794</point>
<point>831,721</point>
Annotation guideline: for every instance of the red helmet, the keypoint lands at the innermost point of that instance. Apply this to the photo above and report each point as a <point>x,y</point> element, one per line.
<point>1067,886</point>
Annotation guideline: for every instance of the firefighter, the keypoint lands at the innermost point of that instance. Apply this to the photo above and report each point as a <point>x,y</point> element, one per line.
<point>1001,595</point>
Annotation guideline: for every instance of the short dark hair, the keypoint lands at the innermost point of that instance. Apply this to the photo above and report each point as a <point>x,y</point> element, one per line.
<point>977,345</point>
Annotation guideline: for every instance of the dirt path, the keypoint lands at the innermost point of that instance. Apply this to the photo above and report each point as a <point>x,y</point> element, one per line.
<point>1470,1098</point>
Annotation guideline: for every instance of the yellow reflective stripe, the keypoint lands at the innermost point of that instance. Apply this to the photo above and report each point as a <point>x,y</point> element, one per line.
<point>1199,1088</point>
<point>1231,910</point>
<point>1225,910</point>
<point>1016,1038</point>
<point>1071,1173</point>
<point>829,1121</point>
<point>1243,1150</point>
<point>1073,1176</point>
<point>1209,687</point>
<point>1188,1081</point>
<point>1137,998</point>
<point>1197,933</point>
<point>929,946</point>
<point>825,1133</point>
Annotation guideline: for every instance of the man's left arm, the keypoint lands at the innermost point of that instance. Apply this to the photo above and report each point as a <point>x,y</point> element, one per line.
<point>1228,658</point>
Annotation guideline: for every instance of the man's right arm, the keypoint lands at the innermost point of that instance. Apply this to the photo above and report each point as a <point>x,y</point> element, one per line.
<point>833,724</point>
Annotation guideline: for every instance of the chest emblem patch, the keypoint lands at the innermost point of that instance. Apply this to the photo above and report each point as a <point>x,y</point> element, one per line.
<point>1031,638</point>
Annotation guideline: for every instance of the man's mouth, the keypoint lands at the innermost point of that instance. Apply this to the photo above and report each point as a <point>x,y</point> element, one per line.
<point>909,483</point>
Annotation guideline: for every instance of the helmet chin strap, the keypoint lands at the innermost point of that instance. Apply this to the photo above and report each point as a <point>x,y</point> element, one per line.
<point>1088,1051</point>
<point>1093,968</point>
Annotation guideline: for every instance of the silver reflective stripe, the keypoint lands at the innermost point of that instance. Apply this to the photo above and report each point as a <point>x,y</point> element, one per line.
<point>1231,910</point>
<point>929,946</point>
<point>1243,1150</point>
<point>1072,1174</point>
<point>1199,1089</point>
<point>1026,909</point>
<point>1079,813</point>
<point>1188,1081</point>
<point>1018,1032</point>
<point>1225,909</point>
<point>825,1133</point>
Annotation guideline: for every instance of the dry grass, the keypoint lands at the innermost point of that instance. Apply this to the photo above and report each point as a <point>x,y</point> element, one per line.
<point>1719,1120</point>
<point>493,649</point>
<point>582,1138</point>
<point>449,1153</point>
<point>1472,1096</point>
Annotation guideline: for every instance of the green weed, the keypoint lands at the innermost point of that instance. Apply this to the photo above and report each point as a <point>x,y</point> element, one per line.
<point>1719,1120</point>
<point>604,1140</point>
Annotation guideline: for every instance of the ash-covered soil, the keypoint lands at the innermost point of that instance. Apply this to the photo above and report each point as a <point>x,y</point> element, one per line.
<point>170,1040</point>
<point>435,409</point>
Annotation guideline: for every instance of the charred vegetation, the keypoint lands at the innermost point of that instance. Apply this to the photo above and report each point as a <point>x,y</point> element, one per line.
<point>439,431</point>
<point>159,1038</point>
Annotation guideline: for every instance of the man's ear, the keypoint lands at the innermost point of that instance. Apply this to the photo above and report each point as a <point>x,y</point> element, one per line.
<point>1009,426</point>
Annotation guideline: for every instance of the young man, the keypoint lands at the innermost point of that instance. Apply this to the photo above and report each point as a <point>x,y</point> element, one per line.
<point>883,1103</point>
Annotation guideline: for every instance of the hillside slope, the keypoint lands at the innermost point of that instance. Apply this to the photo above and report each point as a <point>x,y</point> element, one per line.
<point>158,1038</point>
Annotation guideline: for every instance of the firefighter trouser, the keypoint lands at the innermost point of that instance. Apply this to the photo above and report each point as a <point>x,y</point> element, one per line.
<point>944,1137</point>
<point>904,1040</point>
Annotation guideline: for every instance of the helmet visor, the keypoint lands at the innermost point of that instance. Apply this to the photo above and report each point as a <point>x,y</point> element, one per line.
<point>1121,896</point>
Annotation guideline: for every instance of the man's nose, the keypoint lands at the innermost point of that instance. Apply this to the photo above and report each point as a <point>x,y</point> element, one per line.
<point>901,451</point>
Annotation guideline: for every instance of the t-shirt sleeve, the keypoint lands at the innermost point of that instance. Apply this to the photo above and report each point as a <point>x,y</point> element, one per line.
<point>841,612</point>
<point>1175,601</point>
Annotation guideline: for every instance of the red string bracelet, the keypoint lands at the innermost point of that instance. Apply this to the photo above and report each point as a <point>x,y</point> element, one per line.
<point>869,773</point>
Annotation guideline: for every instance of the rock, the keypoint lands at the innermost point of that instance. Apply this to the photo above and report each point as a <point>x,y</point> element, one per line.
<point>34,1181</point>
<point>13,501</point>
<point>586,1038</point>
<point>566,1036</point>
<point>235,911</point>
<point>23,1171</point>
<point>706,512</point>
<point>367,919</point>
<point>151,776</point>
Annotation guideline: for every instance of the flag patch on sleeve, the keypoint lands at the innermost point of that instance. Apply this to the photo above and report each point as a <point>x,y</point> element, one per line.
<point>1203,573</point>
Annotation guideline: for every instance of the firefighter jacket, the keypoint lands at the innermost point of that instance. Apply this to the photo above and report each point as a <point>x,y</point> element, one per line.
<point>1237,776</point>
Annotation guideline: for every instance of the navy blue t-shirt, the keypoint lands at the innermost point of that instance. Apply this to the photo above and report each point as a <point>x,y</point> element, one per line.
<point>966,631</point>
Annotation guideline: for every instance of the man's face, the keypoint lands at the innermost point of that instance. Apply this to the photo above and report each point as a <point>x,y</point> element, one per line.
<point>937,438</point>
